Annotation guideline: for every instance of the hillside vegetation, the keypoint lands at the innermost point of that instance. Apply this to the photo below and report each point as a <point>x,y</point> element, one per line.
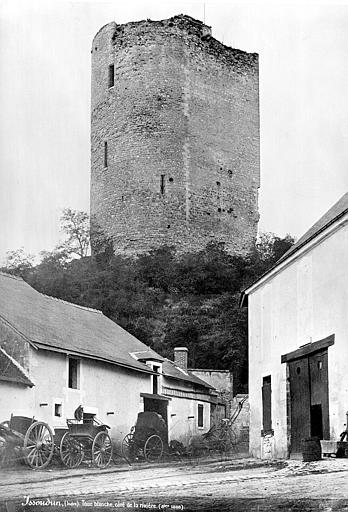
<point>166,299</point>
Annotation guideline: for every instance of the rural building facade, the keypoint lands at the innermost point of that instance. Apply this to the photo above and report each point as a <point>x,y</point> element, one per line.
<point>298,331</point>
<point>55,356</point>
<point>174,138</point>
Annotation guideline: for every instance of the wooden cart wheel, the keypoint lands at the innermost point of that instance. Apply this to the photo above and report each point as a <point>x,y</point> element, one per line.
<point>38,445</point>
<point>102,450</point>
<point>153,448</point>
<point>71,451</point>
<point>128,448</point>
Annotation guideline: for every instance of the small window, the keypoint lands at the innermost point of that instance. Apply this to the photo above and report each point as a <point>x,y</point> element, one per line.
<point>155,380</point>
<point>111,75</point>
<point>267,405</point>
<point>200,415</point>
<point>74,373</point>
<point>162,184</point>
<point>58,410</point>
<point>105,154</point>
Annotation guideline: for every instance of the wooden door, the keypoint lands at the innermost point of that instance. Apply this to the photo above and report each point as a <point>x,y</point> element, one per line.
<point>320,425</point>
<point>299,403</point>
<point>309,399</point>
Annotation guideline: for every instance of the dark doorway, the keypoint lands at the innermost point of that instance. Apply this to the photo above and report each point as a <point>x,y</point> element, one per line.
<point>309,399</point>
<point>317,421</point>
<point>159,406</point>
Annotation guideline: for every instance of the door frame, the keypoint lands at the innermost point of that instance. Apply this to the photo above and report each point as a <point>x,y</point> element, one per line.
<point>304,351</point>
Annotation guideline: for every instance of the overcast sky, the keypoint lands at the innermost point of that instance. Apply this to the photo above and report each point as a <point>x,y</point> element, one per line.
<point>45,105</point>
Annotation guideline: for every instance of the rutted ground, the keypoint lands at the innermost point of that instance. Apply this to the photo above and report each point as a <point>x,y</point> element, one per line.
<point>198,485</point>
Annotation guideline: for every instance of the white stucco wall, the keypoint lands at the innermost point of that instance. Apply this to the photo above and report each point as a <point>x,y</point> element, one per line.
<point>305,302</point>
<point>183,412</point>
<point>183,419</point>
<point>14,398</point>
<point>104,388</point>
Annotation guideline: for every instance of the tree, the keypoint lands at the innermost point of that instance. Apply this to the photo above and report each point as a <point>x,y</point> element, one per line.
<point>75,225</point>
<point>19,262</point>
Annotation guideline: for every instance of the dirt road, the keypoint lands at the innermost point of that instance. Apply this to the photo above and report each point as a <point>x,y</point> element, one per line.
<point>220,485</point>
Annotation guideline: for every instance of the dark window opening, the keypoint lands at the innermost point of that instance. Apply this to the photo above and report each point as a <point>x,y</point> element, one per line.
<point>74,373</point>
<point>155,380</point>
<point>58,410</point>
<point>267,405</point>
<point>162,184</point>
<point>105,154</point>
<point>219,209</point>
<point>111,75</point>
<point>200,415</point>
<point>168,226</point>
<point>171,180</point>
<point>218,183</point>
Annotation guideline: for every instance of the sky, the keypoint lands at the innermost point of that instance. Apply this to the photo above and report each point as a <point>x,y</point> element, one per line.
<point>45,105</point>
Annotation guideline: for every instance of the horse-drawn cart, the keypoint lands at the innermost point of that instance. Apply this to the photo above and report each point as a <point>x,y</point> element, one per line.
<point>27,439</point>
<point>146,439</point>
<point>86,440</point>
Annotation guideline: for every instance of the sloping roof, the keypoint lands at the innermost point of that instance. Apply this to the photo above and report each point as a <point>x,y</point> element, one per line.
<point>171,370</point>
<point>337,211</point>
<point>11,370</point>
<point>334,213</point>
<point>58,325</point>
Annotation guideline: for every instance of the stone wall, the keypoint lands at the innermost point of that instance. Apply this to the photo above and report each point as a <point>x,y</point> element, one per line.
<point>181,123</point>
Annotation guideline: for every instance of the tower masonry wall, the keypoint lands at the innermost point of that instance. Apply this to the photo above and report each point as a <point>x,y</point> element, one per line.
<point>174,138</point>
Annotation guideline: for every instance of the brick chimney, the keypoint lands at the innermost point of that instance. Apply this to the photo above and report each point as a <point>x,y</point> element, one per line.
<point>180,357</point>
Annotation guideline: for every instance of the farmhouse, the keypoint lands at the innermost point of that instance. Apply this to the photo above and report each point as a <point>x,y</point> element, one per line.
<point>298,331</point>
<point>55,356</point>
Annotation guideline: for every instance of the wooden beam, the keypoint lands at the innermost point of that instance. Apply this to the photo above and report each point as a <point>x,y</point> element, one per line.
<point>308,349</point>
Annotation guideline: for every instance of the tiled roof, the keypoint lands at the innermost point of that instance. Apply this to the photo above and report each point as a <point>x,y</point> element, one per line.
<point>334,213</point>
<point>171,370</point>
<point>51,323</point>
<point>11,371</point>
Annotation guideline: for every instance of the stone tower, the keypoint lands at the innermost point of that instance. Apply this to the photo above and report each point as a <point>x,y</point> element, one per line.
<point>174,138</point>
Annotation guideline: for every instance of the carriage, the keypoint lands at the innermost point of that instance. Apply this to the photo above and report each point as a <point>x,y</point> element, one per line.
<point>24,438</point>
<point>147,438</point>
<point>88,440</point>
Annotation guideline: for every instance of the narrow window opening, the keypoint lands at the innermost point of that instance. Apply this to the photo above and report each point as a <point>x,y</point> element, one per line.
<point>58,410</point>
<point>105,154</point>
<point>155,380</point>
<point>111,75</point>
<point>162,184</point>
<point>267,405</point>
<point>74,373</point>
<point>200,415</point>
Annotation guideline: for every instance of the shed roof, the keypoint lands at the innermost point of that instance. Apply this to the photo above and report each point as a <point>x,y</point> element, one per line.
<point>338,210</point>
<point>54,324</point>
<point>334,213</point>
<point>171,370</point>
<point>11,370</point>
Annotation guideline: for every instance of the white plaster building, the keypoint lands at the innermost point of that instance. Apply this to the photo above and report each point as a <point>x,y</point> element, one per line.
<point>298,341</point>
<point>56,355</point>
